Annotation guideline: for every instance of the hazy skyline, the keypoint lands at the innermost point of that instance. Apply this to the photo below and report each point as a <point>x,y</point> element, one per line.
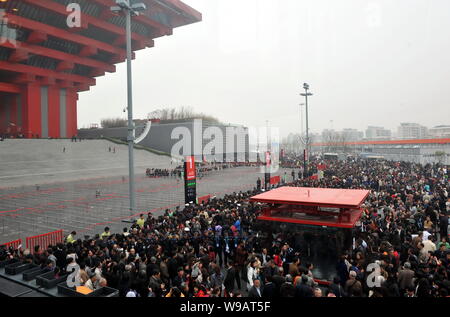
<point>377,62</point>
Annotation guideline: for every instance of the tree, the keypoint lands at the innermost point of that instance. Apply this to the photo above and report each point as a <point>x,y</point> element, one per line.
<point>335,141</point>
<point>182,114</point>
<point>440,156</point>
<point>113,123</point>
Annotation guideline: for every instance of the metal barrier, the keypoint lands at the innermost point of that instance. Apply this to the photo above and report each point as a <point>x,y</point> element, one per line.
<point>44,240</point>
<point>15,244</point>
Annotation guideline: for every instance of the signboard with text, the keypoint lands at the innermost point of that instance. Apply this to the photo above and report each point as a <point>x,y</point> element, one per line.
<point>190,180</point>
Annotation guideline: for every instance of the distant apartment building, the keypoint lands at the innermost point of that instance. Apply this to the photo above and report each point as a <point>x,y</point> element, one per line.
<point>440,132</point>
<point>329,135</point>
<point>411,131</point>
<point>350,135</point>
<point>422,151</point>
<point>346,135</point>
<point>378,133</point>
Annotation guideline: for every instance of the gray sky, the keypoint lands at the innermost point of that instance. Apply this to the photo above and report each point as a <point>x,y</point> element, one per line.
<point>368,62</point>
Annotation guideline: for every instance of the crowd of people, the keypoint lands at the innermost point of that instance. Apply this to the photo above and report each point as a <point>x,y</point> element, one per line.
<point>202,169</point>
<point>215,249</point>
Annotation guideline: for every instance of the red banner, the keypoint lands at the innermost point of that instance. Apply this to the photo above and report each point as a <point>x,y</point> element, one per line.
<point>267,158</point>
<point>203,199</point>
<point>190,169</point>
<point>44,240</point>
<point>275,180</point>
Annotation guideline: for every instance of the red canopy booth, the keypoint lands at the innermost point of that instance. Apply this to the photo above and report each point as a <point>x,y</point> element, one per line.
<point>317,221</point>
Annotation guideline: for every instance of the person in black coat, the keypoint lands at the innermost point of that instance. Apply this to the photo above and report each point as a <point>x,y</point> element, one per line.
<point>256,290</point>
<point>230,277</point>
<point>277,280</point>
<point>287,289</point>
<point>336,288</point>
<point>269,288</point>
<point>228,249</point>
<point>60,254</point>
<point>342,270</point>
<point>152,266</point>
<point>172,266</point>
<point>443,224</point>
<point>303,289</point>
<point>179,280</point>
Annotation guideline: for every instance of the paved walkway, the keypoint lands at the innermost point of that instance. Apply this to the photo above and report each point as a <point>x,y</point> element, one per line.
<point>73,205</point>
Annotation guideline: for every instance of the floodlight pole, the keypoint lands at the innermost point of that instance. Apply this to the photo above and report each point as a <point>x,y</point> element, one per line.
<point>301,126</point>
<point>306,152</point>
<point>130,138</point>
<point>129,9</point>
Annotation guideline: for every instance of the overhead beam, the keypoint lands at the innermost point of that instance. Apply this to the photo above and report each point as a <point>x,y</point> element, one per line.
<point>18,55</point>
<point>88,51</point>
<point>61,56</point>
<point>24,78</point>
<point>9,88</point>
<point>37,37</point>
<point>65,83</point>
<point>86,19</point>
<point>47,81</point>
<point>35,71</point>
<point>65,65</point>
<point>62,34</point>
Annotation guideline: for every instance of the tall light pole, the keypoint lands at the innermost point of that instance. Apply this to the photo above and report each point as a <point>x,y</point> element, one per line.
<point>306,94</point>
<point>302,141</point>
<point>130,10</point>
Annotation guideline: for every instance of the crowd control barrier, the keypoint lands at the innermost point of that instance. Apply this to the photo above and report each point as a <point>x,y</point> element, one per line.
<point>14,244</point>
<point>44,240</point>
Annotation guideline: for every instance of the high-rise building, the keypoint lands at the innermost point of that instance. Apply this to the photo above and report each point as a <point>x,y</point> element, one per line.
<point>350,135</point>
<point>346,135</point>
<point>440,132</point>
<point>378,133</point>
<point>412,131</point>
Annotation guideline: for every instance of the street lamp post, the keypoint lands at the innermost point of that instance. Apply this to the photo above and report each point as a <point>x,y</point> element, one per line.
<point>129,10</point>
<point>302,141</point>
<point>306,94</point>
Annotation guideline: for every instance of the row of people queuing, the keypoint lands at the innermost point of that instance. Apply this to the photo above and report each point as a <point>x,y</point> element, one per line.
<point>202,169</point>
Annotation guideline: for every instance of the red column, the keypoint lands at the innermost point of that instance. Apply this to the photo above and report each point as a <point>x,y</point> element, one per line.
<point>53,112</point>
<point>31,110</point>
<point>2,112</point>
<point>13,114</point>
<point>71,102</point>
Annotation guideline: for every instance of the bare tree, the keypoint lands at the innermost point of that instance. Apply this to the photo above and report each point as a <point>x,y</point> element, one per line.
<point>183,113</point>
<point>113,123</point>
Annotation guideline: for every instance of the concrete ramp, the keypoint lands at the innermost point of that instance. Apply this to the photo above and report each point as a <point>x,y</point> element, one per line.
<point>29,162</point>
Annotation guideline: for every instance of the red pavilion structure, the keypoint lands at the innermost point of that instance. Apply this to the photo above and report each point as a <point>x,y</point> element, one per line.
<point>321,220</point>
<point>328,207</point>
<point>45,63</point>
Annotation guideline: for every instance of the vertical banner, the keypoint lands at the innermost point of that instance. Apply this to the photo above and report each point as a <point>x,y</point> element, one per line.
<point>267,173</point>
<point>305,166</point>
<point>190,180</point>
